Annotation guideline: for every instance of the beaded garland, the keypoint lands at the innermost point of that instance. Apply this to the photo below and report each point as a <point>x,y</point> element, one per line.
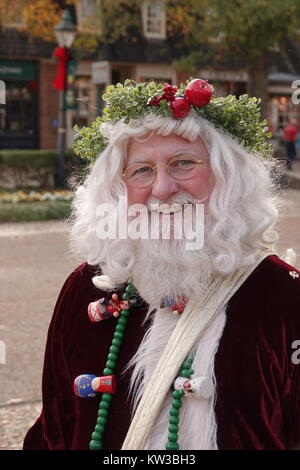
<point>96,442</point>
<point>185,371</point>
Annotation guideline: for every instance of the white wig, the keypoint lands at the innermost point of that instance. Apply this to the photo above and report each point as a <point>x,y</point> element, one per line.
<point>242,208</point>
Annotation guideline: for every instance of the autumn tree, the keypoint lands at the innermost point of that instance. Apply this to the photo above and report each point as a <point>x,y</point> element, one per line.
<point>35,17</point>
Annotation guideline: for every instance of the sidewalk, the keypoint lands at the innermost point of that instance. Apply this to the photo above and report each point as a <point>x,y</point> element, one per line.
<point>15,420</point>
<point>35,262</point>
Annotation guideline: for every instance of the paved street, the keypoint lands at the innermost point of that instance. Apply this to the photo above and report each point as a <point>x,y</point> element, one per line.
<point>35,263</point>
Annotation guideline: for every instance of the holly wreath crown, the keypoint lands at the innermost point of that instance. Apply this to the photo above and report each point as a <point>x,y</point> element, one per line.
<point>238,117</point>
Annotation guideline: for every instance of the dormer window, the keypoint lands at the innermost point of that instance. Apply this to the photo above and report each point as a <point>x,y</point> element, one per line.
<point>154,20</point>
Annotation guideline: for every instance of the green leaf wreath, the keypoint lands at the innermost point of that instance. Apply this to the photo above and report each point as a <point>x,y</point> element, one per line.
<point>239,117</point>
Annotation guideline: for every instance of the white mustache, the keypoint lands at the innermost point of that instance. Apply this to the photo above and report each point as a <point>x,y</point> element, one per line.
<point>170,207</point>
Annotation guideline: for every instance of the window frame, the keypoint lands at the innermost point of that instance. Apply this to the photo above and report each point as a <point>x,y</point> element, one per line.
<point>162,34</point>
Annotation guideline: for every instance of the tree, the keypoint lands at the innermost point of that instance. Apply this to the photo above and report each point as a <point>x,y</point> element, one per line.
<point>11,13</point>
<point>245,29</point>
<point>215,31</point>
<point>35,17</point>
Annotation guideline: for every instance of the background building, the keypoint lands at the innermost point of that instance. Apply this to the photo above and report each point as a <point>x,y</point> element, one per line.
<point>29,117</point>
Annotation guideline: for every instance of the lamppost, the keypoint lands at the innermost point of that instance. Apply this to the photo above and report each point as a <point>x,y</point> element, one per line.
<point>65,33</point>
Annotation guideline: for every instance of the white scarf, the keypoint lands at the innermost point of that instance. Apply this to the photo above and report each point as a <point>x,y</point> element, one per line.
<point>198,317</point>
<point>198,429</point>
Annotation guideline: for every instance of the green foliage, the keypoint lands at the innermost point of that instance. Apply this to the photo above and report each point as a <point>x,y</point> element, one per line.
<point>244,27</point>
<point>130,100</point>
<point>126,102</point>
<point>89,140</point>
<point>238,117</point>
<point>241,119</point>
<point>247,28</point>
<point>120,19</point>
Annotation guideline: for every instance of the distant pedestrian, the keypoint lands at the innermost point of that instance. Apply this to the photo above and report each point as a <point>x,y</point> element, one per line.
<point>290,136</point>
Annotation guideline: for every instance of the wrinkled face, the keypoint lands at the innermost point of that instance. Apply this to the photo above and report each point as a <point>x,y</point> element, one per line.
<point>160,151</point>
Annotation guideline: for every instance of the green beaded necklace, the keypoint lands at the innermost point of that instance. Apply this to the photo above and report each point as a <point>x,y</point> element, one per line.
<point>96,442</point>
<point>185,371</point>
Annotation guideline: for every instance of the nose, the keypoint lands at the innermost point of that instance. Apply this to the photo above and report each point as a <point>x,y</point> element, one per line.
<point>164,185</point>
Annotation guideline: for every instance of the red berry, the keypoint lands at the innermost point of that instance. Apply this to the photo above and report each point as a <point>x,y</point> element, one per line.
<point>198,92</point>
<point>169,92</point>
<point>180,107</point>
<point>154,101</point>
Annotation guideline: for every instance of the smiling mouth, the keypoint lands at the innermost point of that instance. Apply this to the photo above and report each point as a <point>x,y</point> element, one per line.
<point>166,208</point>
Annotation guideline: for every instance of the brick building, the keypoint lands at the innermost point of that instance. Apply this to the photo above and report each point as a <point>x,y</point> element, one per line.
<point>31,102</point>
<point>29,117</point>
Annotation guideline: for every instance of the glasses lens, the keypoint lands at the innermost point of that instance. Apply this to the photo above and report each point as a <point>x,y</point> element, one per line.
<point>140,174</point>
<point>183,167</point>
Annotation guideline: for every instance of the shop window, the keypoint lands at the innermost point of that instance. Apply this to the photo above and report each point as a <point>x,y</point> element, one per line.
<point>280,111</point>
<point>115,76</point>
<point>83,102</point>
<point>81,113</point>
<point>17,116</point>
<point>154,20</point>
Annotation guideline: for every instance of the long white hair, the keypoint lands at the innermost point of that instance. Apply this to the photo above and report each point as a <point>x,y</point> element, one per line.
<point>242,209</point>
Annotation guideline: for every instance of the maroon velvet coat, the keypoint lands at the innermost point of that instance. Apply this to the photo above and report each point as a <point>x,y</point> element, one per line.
<point>258,384</point>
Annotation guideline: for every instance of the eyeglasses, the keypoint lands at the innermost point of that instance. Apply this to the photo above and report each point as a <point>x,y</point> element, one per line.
<point>143,174</point>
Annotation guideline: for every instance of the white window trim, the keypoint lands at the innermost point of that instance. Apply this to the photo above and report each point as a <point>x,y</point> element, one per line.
<point>144,12</point>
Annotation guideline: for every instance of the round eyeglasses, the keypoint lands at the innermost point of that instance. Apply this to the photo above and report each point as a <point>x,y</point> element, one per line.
<point>143,174</point>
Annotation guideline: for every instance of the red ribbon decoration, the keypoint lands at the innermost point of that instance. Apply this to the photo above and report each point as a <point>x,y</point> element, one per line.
<point>61,54</point>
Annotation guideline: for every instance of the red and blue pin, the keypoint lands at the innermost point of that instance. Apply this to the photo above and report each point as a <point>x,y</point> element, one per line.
<point>88,385</point>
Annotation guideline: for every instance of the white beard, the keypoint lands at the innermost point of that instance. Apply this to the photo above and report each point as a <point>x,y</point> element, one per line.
<point>164,268</point>
<point>156,275</point>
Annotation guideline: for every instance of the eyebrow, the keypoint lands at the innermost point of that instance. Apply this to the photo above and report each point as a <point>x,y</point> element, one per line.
<point>176,154</point>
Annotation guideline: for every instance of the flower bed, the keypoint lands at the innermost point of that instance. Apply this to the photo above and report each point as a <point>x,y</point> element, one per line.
<point>26,206</point>
<point>35,196</point>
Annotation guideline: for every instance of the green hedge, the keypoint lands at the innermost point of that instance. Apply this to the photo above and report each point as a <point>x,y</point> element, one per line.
<point>28,212</point>
<point>38,165</point>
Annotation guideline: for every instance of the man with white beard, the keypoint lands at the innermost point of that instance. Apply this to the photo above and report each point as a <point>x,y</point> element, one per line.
<point>187,348</point>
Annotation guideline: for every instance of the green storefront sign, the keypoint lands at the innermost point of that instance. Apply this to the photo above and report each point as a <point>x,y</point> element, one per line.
<point>17,70</point>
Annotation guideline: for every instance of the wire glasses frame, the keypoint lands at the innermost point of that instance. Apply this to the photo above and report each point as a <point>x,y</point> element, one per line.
<point>136,175</point>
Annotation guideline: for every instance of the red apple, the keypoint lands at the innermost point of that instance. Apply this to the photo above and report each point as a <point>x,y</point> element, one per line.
<point>180,107</point>
<point>198,92</point>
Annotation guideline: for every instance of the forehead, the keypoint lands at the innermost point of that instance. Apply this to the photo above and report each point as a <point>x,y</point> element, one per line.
<point>163,147</point>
